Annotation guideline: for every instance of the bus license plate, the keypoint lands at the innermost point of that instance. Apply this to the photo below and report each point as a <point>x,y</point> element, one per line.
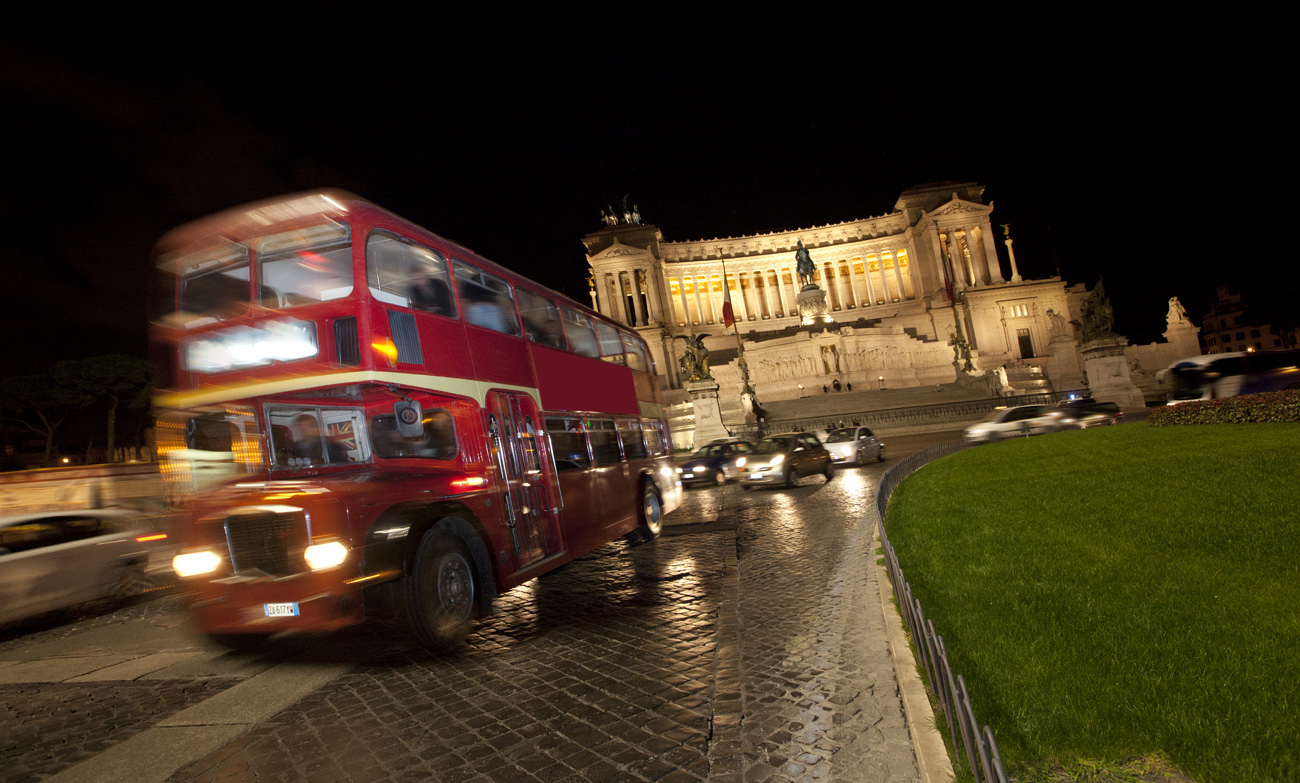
<point>281,610</point>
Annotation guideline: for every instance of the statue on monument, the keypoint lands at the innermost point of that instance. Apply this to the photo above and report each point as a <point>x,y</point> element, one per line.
<point>803,264</point>
<point>1177,315</point>
<point>1096,319</point>
<point>1057,322</point>
<point>695,362</point>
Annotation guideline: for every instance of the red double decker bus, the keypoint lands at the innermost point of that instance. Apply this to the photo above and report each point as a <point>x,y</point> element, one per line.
<point>364,415</point>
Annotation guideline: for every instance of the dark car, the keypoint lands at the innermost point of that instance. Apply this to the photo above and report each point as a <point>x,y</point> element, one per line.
<point>715,464</point>
<point>784,459</point>
<point>1084,412</point>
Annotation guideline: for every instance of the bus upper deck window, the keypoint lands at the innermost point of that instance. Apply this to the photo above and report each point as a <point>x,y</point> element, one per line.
<point>213,284</point>
<point>305,266</point>
<point>611,346</point>
<point>582,335</point>
<point>403,273</point>
<point>636,358</point>
<point>541,319</point>
<point>486,300</point>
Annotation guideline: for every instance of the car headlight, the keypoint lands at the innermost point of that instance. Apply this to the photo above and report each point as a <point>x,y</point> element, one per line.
<point>777,460</point>
<point>322,556</point>
<point>195,563</point>
<point>740,463</point>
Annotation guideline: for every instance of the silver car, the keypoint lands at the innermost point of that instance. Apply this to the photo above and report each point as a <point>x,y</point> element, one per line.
<point>57,559</point>
<point>855,444</point>
<point>784,459</point>
<point>1010,422</point>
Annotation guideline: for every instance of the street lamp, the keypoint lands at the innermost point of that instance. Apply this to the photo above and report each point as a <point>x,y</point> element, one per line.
<point>882,381</point>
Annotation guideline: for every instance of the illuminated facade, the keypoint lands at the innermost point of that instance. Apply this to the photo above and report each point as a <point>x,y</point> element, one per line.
<point>906,291</point>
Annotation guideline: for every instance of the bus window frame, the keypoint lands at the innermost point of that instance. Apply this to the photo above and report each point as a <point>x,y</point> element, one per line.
<point>406,300</point>
<point>508,309</point>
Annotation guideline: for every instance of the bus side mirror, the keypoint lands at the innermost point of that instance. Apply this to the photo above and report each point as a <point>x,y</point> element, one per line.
<point>410,419</point>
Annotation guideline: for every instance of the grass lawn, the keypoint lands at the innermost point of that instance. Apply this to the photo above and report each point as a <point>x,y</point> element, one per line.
<point>1120,593</point>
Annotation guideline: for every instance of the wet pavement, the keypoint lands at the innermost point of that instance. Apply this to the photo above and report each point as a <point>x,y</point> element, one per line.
<point>746,644</point>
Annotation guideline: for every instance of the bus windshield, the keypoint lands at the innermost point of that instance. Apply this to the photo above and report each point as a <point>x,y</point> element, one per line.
<point>213,284</point>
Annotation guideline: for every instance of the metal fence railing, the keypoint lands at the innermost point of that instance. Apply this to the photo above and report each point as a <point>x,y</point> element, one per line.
<point>969,742</point>
<point>892,421</point>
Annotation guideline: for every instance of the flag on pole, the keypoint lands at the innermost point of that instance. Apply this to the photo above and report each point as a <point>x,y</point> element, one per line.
<point>728,316</point>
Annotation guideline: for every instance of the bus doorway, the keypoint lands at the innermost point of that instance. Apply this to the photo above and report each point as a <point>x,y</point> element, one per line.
<point>527,472</point>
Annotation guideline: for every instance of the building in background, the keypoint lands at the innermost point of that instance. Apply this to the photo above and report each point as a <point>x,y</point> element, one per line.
<point>1228,327</point>
<point>915,299</point>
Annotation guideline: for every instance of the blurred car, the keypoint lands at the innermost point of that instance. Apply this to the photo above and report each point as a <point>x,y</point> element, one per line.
<point>57,559</point>
<point>1020,420</point>
<point>715,464</point>
<point>784,459</point>
<point>855,444</point>
<point>1084,412</point>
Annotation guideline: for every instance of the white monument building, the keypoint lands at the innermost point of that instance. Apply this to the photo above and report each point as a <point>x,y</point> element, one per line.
<point>915,298</point>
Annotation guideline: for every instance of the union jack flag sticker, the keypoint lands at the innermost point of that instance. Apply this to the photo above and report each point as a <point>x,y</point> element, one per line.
<point>342,434</point>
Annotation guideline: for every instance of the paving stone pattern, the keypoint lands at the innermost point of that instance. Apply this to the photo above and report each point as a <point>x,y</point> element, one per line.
<point>47,728</point>
<point>747,648</point>
<point>600,671</point>
<point>820,694</point>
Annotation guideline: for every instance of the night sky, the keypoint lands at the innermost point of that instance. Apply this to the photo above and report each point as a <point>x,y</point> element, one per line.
<point>1153,157</point>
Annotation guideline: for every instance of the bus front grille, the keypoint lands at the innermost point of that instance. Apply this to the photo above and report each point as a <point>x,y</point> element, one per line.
<point>270,543</point>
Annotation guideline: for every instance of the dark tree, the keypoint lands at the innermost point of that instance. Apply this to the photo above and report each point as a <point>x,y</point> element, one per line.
<point>40,403</point>
<point>114,377</point>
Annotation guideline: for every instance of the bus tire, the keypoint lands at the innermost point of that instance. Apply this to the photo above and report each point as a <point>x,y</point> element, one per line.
<point>651,512</point>
<point>441,593</point>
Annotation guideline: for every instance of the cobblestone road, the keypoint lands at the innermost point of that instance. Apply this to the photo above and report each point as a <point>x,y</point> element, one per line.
<point>747,643</point>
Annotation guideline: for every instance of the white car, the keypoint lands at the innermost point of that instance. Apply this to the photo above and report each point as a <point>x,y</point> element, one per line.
<point>855,444</point>
<point>57,559</point>
<point>1020,420</point>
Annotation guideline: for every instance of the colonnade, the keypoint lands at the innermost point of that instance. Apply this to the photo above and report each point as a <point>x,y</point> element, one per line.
<point>970,253</point>
<point>760,293</point>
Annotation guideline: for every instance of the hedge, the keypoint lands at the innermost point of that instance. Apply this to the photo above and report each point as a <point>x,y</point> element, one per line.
<point>1246,409</point>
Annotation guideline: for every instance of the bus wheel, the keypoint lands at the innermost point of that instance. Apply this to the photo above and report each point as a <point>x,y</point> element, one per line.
<point>652,514</point>
<point>441,599</point>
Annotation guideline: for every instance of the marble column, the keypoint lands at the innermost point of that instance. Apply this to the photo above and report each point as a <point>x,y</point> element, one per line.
<point>637,306</point>
<point>686,308</point>
<point>780,292</point>
<point>957,261</point>
<point>991,255</point>
<point>898,276</point>
<point>602,294</point>
<point>1015,273</point>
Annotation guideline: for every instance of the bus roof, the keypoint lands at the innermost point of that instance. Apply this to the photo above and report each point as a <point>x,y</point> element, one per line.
<point>243,222</point>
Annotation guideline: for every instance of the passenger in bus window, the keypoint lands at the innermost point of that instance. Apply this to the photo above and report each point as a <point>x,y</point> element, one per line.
<point>308,445</point>
<point>483,308</point>
<point>430,295</point>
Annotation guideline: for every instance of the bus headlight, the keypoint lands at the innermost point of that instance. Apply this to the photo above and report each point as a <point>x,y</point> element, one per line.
<point>195,563</point>
<point>322,556</point>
